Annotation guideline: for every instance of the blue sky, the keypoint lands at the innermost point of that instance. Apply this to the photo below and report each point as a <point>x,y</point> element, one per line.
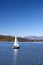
<point>21,17</point>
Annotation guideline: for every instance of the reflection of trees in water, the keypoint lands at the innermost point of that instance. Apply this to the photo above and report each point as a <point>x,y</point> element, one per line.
<point>15,54</point>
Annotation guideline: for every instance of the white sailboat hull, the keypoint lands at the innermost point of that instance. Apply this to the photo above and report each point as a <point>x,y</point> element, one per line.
<point>16,47</point>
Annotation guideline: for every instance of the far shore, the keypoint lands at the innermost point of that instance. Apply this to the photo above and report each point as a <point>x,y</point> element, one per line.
<point>12,39</point>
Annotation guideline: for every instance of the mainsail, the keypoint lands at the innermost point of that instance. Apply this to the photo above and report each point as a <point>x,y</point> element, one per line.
<point>16,42</point>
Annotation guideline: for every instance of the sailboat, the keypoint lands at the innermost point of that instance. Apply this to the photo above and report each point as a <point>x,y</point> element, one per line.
<point>16,45</point>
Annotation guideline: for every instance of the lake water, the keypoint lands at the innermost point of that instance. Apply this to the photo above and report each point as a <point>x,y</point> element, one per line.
<point>30,53</point>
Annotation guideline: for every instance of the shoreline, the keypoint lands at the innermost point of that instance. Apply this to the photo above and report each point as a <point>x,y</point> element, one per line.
<point>12,39</point>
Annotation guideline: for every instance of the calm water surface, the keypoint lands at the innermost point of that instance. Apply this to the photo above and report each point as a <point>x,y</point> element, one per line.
<point>28,54</point>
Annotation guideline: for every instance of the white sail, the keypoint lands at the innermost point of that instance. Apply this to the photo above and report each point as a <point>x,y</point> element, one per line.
<point>16,42</point>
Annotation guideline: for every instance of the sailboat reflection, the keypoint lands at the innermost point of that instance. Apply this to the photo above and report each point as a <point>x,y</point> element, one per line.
<point>15,56</point>
<point>15,52</point>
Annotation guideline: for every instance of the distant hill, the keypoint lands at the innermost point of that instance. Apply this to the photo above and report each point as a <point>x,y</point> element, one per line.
<point>12,38</point>
<point>21,39</point>
<point>35,38</point>
<point>6,38</point>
